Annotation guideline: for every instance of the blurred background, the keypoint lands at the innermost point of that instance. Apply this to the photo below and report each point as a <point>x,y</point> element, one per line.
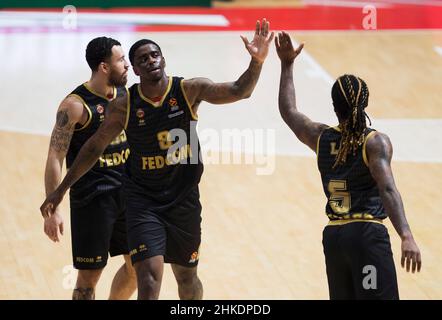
<point>263,204</point>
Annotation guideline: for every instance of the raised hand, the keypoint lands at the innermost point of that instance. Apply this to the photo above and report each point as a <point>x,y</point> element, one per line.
<point>284,48</point>
<point>259,46</point>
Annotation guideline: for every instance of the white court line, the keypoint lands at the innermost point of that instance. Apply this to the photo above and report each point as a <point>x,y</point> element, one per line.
<point>413,140</point>
<point>316,70</point>
<point>55,19</point>
<point>438,50</point>
<point>61,65</point>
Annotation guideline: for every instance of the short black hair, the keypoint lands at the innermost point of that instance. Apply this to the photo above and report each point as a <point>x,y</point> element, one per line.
<point>99,50</point>
<point>138,44</point>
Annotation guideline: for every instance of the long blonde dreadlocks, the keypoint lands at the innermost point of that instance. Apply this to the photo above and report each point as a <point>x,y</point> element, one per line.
<point>350,98</point>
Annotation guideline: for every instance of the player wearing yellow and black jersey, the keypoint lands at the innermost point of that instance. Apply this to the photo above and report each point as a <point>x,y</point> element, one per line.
<point>354,162</point>
<point>98,224</point>
<point>164,169</point>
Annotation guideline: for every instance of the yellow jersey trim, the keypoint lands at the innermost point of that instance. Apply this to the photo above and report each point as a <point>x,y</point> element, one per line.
<point>337,128</point>
<point>86,107</point>
<point>127,109</point>
<point>364,152</point>
<point>154,104</point>
<point>317,145</point>
<point>99,95</point>
<point>194,116</point>
<point>342,222</point>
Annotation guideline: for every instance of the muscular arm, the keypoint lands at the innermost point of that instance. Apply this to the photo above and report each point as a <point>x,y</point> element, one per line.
<point>203,89</point>
<point>111,127</point>
<point>305,129</point>
<point>379,153</point>
<point>69,113</point>
<point>90,152</point>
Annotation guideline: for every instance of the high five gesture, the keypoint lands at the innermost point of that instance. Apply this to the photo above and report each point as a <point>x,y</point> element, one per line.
<point>259,46</point>
<point>284,48</point>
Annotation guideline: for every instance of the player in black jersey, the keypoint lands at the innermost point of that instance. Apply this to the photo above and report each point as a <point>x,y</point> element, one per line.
<point>159,114</point>
<point>98,225</point>
<point>354,162</point>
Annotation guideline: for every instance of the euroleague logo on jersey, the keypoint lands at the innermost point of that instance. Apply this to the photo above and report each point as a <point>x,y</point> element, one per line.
<point>100,108</point>
<point>140,116</point>
<point>173,102</point>
<point>140,113</point>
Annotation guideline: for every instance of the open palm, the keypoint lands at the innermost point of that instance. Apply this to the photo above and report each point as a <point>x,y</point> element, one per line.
<point>259,46</point>
<point>284,48</point>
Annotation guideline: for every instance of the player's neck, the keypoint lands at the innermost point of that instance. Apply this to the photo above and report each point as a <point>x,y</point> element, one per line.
<point>100,86</point>
<point>154,89</point>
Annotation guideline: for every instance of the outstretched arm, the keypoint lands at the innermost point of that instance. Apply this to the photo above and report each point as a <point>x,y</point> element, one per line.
<point>90,152</point>
<point>305,129</point>
<point>203,89</point>
<point>379,153</point>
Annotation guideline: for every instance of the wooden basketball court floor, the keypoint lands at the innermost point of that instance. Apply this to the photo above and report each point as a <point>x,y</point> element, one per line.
<point>261,233</point>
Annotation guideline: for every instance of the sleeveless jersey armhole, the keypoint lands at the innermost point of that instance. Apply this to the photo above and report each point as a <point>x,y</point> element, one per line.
<point>194,116</point>
<point>127,108</point>
<point>89,119</point>
<point>364,147</point>
<point>317,144</point>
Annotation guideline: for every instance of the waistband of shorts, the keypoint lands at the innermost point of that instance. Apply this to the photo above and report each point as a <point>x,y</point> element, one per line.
<point>346,221</point>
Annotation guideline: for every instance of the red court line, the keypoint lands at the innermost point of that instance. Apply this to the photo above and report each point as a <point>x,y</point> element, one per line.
<point>312,17</point>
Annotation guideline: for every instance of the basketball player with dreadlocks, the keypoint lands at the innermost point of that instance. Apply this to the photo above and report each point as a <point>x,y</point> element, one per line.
<point>354,162</point>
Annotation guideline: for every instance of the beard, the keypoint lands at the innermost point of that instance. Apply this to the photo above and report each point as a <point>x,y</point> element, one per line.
<point>117,79</point>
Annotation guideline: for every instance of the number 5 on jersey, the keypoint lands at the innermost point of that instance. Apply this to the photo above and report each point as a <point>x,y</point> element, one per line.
<point>340,199</point>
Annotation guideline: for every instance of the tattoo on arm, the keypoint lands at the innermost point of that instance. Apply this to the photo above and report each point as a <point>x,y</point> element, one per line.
<point>62,118</point>
<point>89,153</point>
<point>62,133</point>
<point>83,294</point>
<point>244,86</point>
<point>203,89</point>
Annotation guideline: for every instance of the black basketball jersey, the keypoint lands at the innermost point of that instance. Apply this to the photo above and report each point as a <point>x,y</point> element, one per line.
<point>164,159</point>
<point>107,172</point>
<point>351,191</point>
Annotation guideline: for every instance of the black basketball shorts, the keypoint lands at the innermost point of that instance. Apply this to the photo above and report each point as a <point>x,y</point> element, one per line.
<point>98,229</point>
<point>359,262</point>
<point>174,233</point>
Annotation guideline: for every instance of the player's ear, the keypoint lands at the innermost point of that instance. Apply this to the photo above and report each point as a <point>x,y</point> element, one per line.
<point>163,61</point>
<point>103,67</point>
